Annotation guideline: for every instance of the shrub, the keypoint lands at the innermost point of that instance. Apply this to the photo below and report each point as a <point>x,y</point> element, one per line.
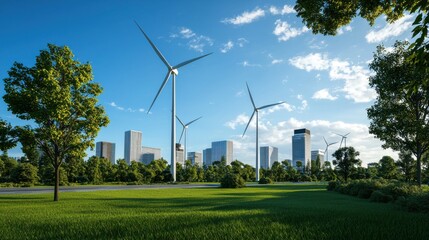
<point>398,189</point>
<point>265,180</point>
<point>417,203</point>
<point>379,196</point>
<point>332,185</point>
<point>231,180</point>
<point>365,193</point>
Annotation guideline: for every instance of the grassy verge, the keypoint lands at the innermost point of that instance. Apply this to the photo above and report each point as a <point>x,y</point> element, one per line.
<point>289,211</point>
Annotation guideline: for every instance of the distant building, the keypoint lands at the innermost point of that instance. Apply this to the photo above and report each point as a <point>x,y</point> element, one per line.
<point>105,150</point>
<point>318,153</point>
<point>180,156</point>
<point>222,149</point>
<point>301,145</point>
<point>268,155</point>
<point>149,154</point>
<point>373,165</point>
<point>207,156</point>
<point>196,158</point>
<point>132,146</point>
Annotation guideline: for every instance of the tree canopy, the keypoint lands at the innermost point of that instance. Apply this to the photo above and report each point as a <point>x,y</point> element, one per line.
<point>60,99</point>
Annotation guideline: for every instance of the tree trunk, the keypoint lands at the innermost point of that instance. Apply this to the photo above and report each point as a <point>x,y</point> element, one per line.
<point>419,168</point>
<point>57,182</point>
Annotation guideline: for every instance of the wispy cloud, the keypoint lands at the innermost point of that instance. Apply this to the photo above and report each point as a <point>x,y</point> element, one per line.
<point>241,42</point>
<point>195,41</point>
<point>287,9</point>
<point>120,108</point>
<point>245,17</point>
<point>323,94</point>
<point>390,30</point>
<point>342,30</point>
<point>284,31</point>
<point>248,64</point>
<point>313,61</point>
<point>227,46</point>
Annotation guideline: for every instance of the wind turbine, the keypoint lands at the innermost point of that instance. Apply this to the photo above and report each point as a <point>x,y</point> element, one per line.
<point>256,110</point>
<point>172,70</point>
<point>327,147</point>
<point>343,138</point>
<point>185,130</point>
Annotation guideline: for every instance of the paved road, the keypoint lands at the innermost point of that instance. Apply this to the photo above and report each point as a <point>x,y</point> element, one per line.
<point>36,190</point>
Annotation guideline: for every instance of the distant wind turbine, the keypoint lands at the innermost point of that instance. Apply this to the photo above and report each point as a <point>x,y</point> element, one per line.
<point>172,70</point>
<point>343,138</point>
<point>256,110</point>
<point>185,130</point>
<point>327,147</point>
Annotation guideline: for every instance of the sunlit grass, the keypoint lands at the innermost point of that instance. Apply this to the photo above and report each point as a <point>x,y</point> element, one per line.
<point>289,211</point>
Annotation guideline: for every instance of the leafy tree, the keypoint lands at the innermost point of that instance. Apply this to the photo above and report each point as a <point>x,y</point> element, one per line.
<point>278,172</point>
<point>29,145</point>
<point>407,166</point>
<point>122,171</point>
<point>387,168</point>
<point>190,171</point>
<point>75,169</point>
<point>7,137</point>
<point>400,114</point>
<point>93,170</point>
<point>9,165</point>
<point>346,161</point>
<point>25,173</point>
<point>58,96</point>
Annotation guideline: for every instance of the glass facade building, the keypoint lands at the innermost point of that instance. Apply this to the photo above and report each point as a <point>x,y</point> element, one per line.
<point>132,146</point>
<point>105,150</point>
<point>222,149</point>
<point>301,148</point>
<point>267,156</point>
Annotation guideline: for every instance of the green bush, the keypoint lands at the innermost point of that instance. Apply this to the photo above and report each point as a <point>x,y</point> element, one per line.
<point>332,185</point>
<point>365,193</point>
<point>416,203</point>
<point>379,196</point>
<point>231,180</point>
<point>265,180</point>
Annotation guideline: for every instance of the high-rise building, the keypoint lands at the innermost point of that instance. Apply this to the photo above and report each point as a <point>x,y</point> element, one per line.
<point>149,154</point>
<point>132,146</point>
<point>268,155</point>
<point>180,156</point>
<point>196,158</point>
<point>301,148</point>
<point>318,153</point>
<point>222,149</point>
<point>105,150</point>
<point>207,156</point>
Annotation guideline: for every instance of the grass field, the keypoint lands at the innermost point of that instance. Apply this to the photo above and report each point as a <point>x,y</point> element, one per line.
<point>290,211</point>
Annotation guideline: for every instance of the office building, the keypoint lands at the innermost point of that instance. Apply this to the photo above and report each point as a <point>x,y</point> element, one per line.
<point>222,149</point>
<point>196,158</point>
<point>132,146</point>
<point>180,156</point>
<point>301,148</point>
<point>149,154</point>
<point>318,153</point>
<point>105,150</point>
<point>267,156</point>
<point>207,156</point>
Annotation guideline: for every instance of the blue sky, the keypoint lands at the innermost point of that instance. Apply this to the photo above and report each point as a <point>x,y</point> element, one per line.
<point>322,79</point>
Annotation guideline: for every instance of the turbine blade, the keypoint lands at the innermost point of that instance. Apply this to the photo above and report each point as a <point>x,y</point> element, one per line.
<point>160,89</point>
<point>346,134</point>
<point>251,98</point>
<point>250,119</point>
<point>189,61</point>
<point>189,123</point>
<point>332,143</point>
<point>270,105</point>
<point>180,121</point>
<point>180,139</point>
<point>325,141</point>
<point>154,47</point>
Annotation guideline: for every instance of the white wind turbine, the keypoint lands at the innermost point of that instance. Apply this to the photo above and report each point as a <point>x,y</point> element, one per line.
<point>327,148</point>
<point>172,70</point>
<point>256,110</point>
<point>343,138</point>
<point>185,130</point>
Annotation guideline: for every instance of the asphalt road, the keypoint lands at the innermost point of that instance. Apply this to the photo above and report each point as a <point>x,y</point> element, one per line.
<point>38,190</point>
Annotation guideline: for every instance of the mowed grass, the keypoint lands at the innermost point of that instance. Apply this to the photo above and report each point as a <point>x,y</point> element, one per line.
<point>289,211</point>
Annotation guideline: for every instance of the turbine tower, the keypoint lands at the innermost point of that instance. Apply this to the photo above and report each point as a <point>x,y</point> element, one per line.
<point>256,110</point>
<point>172,70</point>
<point>343,138</point>
<point>327,148</point>
<point>185,130</point>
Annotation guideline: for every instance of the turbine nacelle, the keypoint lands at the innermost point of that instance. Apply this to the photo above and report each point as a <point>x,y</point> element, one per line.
<point>175,71</point>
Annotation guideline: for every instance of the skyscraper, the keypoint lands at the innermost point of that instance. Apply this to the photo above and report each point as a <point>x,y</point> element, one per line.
<point>222,149</point>
<point>301,145</point>
<point>196,158</point>
<point>105,150</point>
<point>180,156</point>
<point>132,146</point>
<point>149,154</point>
<point>268,155</point>
<point>207,156</point>
<point>318,153</point>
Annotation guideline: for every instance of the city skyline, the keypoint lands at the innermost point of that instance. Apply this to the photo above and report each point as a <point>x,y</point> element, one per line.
<point>323,79</point>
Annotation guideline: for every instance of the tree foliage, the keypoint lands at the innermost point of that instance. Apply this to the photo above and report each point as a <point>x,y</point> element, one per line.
<point>346,161</point>
<point>57,94</point>
<point>7,136</point>
<point>387,168</point>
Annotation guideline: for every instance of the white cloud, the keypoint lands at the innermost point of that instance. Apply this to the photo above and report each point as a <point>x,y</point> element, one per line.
<point>320,45</point>
<point>284,31</point>
<point>340,31</point>
<point>241,42</point>
<point>194,41</point>
<point>276,61</point>
<point>241,119</point>
<point>323,94</point>
<point>390,30</point>
<point>227,46</point>
<point>286,10</point>
<point>239,94</point>
<point>247,64</point>
<point>113,104</point>
<point>355,78</point>
<point>187,33</point>
<point>246,17</point>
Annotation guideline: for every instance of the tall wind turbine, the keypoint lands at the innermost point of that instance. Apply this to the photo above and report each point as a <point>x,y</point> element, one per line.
<point>172,70</point>
<point>327,147</point>
<point>256,110</point>
<point>185,130</point>
<point>343,138</point>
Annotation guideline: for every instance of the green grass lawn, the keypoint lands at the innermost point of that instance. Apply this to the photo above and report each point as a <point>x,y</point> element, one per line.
<point>288,211</point>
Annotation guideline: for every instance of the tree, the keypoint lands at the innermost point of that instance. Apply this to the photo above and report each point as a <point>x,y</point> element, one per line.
<point>58,96</point>
<point>25,173</point>
<point>346,161</point>
<point>7,137</point>
<point>400,114</point>
<point>387,168</point>
<point>29,145</point>
<point>407,165</point>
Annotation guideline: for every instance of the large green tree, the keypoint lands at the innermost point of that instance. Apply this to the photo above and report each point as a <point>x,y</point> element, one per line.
<point>8,138</point>
<point>59,97</point>
<point>400,114</point>
<point>346,161</point>
<point>387,168</point>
